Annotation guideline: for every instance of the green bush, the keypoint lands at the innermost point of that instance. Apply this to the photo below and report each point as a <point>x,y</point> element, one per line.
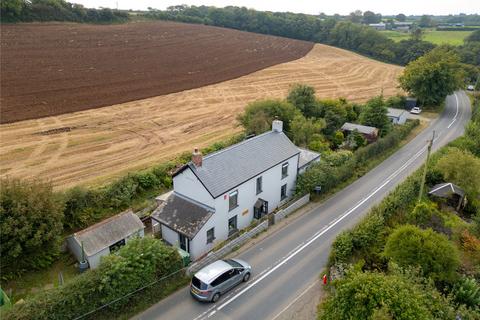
<point>139,263</point>
<point>467,292</point>
<point>432,252</point>
<point>31,218</point>
<point>369,295</point>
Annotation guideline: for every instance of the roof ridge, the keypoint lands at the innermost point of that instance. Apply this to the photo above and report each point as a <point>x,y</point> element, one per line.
<point>233,146</point>
<point>103,222</point>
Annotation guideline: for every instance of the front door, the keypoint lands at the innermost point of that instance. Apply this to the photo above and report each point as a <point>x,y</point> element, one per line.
<point>260,210</point>
<point>184,243</point>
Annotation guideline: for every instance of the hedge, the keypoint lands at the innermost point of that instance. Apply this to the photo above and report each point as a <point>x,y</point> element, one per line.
<point>139,263</point>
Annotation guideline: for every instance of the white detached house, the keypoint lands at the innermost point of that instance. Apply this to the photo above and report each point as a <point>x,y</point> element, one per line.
<point>219,194</point>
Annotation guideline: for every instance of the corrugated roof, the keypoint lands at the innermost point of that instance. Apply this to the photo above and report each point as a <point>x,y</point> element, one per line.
<point>230,167</point>
<point>306,156</point>
<point>396,113</point>
<point>183,214</point>
<point>446,190</point>
<point>347,126</point>
<point>109,231</point>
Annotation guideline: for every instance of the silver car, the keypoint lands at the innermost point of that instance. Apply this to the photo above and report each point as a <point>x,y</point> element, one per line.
<point>219,277</point>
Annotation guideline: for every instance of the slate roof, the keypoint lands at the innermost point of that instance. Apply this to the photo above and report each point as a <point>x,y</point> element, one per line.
<point>446,189</point>
<point>395,113</point>
<point>306,156</point>
<point>182,214</point>
<point>107,232</point>
<point>230,167</point>
<point>347,126</point>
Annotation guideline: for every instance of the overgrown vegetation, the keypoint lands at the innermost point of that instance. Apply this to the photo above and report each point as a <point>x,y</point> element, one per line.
<point>56,10</point>
<point>141,262</point>
<point>425,242</point>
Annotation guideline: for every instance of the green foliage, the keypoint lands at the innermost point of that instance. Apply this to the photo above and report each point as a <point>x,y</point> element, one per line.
<point>56,10</point>
<point>422,213</point>
<point>338,138</point>
<point>328,176</point>
<point>467,291</point>
<point>31,218</point>
<point>397,101</point>
<point>258,115</point>
<point>453,167</point>
<point>137,264</point>
<point>374,114</point>
<point>377,296</point>
<point>433,76</point>
<point>303,130</point>
<point>303,98</point>
<point>354,141</point>
<point>432,252</point>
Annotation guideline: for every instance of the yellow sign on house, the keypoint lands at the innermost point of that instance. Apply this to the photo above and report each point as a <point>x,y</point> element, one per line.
<point>245,212</point>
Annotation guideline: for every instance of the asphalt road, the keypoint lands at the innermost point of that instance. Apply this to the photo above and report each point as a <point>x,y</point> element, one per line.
<point>286,263</point>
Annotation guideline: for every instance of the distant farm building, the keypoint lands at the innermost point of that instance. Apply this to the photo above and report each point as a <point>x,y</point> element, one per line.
<point>378,26</point>
<point>369,133</point>
<point>397,116</point>
<point>105,237</point>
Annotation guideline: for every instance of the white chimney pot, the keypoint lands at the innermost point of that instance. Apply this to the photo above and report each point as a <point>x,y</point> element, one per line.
<point>277,126</point>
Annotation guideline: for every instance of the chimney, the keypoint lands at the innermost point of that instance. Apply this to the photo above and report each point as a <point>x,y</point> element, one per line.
<point>197,157</point>
<point>277,126</point>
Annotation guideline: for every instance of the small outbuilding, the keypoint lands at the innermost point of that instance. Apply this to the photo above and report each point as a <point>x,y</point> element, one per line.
<point>454,195</point>
<point>105,237</point>
<point>397,116</point>
<point>410,103</point>
<point>369,133</point>
<point>306,159</point>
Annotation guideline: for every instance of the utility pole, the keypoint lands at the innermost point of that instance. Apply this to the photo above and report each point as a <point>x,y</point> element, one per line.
<point>424,177</point>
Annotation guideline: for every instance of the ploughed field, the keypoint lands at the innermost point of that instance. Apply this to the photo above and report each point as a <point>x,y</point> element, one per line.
<point>50,69</point>
<point>93,146</point>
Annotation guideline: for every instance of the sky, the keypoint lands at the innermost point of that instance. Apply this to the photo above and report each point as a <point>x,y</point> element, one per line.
<point>343,7</point>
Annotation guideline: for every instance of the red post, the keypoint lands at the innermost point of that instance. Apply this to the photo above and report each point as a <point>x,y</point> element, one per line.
<point>324,279</point>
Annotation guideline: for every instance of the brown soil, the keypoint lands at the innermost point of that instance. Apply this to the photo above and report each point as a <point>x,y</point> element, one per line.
<point>92,146</point>
<point>52,69</point>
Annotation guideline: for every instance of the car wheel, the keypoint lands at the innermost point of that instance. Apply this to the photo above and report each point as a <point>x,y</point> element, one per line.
<point>246,277</point>
<point>215,297</point>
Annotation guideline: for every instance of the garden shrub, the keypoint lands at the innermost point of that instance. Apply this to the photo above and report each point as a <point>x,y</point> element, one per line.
<point>139,263</point>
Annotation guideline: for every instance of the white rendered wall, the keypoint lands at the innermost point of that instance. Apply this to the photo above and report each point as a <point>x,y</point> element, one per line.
<point>187,183</point>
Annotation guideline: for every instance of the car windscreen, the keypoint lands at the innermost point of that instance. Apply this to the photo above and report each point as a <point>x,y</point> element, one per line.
<point>233,263</point>
<point>199,284</point>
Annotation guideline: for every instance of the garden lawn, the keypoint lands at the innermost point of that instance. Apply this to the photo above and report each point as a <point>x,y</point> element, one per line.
<point>437,37</point>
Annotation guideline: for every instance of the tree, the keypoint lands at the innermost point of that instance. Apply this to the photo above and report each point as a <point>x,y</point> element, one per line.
<point>462,168</point>
<point>433,76</point>
<point>302,97</point>
<point>354,141</point>
<point>474,36</point>
<point>31,218</point>
<point>371,17</point>
<point>437,257</point>
<point>258,115</point>
<point>425,21</point>
<point>416,34</point>
<point>370,295</point>
<point>375,114</point>
<point>356,16</point>
<point>401,17</point>
<point>303,130</point>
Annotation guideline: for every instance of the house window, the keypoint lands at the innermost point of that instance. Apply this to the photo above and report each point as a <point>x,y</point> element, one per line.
<point>233,200</point>
<point>284,170</point>
<point>210,235</point>
<point>232,225</point>
<point>283,192</point>
<point>259,185</point>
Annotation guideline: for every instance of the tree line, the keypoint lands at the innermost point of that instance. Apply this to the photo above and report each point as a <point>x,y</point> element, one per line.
<point>56,10</point>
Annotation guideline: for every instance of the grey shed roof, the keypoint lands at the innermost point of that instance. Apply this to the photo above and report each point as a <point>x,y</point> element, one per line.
<point>107,232</point>
<point>306,156</point>
<point>347,126</point>
<point>182,214</point>
<point>395,113</point>
<point>230,167</point>
<point>446,190</point>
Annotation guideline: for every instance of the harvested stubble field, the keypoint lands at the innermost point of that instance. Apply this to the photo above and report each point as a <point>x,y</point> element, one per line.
<point>91,146</point>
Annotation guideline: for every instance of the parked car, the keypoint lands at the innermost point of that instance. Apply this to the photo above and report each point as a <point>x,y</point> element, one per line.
<point>470,87</point>
<point>212,281</point>
<point>416,110</point>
